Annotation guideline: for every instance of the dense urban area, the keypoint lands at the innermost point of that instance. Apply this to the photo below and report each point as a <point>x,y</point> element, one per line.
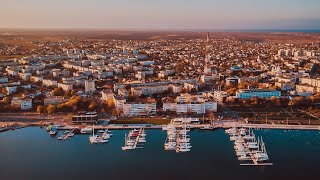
<point>211,76</point>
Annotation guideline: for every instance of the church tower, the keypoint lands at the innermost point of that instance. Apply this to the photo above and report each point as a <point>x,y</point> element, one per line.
<point>207,70</point>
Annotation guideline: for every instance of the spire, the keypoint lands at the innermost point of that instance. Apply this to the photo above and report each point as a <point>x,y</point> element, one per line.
<point>206,59</point>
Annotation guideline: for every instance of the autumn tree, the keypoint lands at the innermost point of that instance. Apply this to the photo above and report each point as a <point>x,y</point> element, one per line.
<point>40,109</point>
<point>51,109</point>
<point>4,91</point>
<point>57,92</point>
<point>92,106</point>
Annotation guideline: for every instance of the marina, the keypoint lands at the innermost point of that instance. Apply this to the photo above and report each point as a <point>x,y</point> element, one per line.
<point>134,139</point>
<point>211,150</point>
<point>248,148</point>
<point>177,138</point>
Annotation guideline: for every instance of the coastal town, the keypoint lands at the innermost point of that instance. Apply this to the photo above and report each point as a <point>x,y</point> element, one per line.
<point>152,81</point>
<point>170,89</point>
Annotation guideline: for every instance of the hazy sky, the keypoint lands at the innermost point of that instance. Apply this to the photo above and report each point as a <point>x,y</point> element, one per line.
<point>161,14</point>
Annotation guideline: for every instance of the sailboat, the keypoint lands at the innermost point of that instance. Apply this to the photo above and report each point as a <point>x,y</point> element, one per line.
<point>261,155</point>
<point>128,144</point>
<point>184,145</point>
<point>94,139</point>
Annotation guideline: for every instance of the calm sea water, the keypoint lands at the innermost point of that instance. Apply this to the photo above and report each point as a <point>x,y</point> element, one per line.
<point>31,154</point>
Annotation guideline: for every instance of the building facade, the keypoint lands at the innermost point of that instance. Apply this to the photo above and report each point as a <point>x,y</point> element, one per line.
<point>260,93</point>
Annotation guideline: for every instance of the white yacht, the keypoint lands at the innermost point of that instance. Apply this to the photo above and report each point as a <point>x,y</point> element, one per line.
<point>86,130</point>
<point>244,158</point>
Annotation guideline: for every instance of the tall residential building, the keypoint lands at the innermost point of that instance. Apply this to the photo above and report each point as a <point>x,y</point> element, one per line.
<point>90,86</point>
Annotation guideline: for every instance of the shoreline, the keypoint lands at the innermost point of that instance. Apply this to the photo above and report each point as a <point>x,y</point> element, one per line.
<point>221,125</point>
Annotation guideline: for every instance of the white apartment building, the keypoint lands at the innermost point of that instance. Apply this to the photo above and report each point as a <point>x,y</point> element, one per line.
<point>119,102</point>
<point>55,101</point>
<point>285,85</point>
<point>90,86</point>
<point>190,86</point>
<point>13,89</point>
<point>65,87</point>
<point>135,109</point>
<point>4,80</point>
<point>148,90</point>
<point>310,81</point>
<point>220,96</point>
<point>305,88</point>
<point>198,108</point>
<point>36,78</point>
<point>48,82</point>
<point>23,104</point>
<point>186,103</point>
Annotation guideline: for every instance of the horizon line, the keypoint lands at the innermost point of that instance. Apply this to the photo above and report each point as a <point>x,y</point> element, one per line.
<point>170,29</point>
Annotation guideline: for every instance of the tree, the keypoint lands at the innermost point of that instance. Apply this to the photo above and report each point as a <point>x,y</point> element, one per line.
<point>110,103</point>
<point>4,91</point>
<point>7,99</point>
<point>211,116</point>
<point>115,112</point>
<point>20,89</point>
<point>40,109</point>
<point>51,109</point>
<point>57,92</point>
<point>275,101</point>
<point>92,106</point>
<point>67,94</point>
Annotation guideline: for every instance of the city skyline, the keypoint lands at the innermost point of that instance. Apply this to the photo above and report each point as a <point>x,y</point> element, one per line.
<point>142,14</point>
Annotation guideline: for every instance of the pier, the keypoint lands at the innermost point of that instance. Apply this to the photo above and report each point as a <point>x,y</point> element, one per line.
<point>242,154</point>
<point>129,145</point>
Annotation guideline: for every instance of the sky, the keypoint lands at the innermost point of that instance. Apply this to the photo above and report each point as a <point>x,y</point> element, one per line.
<point>161,14</point>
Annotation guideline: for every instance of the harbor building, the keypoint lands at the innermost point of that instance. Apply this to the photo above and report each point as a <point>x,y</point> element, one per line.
<point>85,118</point>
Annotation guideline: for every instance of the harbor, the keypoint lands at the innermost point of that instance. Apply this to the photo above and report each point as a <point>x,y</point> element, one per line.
<point>211,151</point>
<point>134,139</point>
<point>248,148</point>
